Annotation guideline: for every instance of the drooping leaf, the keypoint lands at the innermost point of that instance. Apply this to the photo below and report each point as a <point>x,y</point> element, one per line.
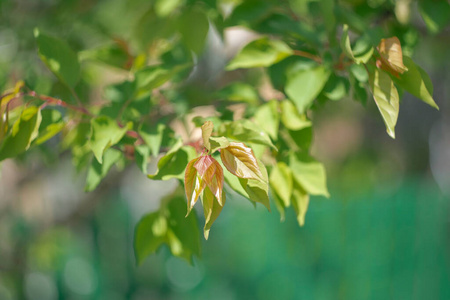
<point>268,118</point>
<point>300,202</point>
<point>104,133</point>
<point>257,189</point>
<point>417,82</point>
<point>305,85</point>
<point>59,58</point>
<point>240,161</point>
<point>309,174</point>
<point>207,129</point>
<point>97,171</point>
<point>291,118</point>
<point>281,182</point>
<point>386,97</point>
<point>193,26</point>
<point>141,155</point>
<point>23,132</point>
<point>152,136</point>
<point>211,209</point>
<point>51,125</point>
<point>391,56</point>
<point>336,87</point>
<point>193,184</point>
<point>345,43</point>
<point>150,234</point>
<point>260,53</point>
<point>218,143</point>
<point>279,204</point>
<point>247,132</point>
<point>173,163</point>
<point>215,184</point>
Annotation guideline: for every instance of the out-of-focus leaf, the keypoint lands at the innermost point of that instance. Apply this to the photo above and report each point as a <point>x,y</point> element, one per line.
<point>345,43</point>
<point>359,72</point>
<point>309,174</point>
<point>279,204</point>
<point>386,97</point>
<point>300,202</point>
<point>23,132</point>
<point>305,85</point>
<point>240,161</point>
<point>193,26</point>
<point>218,143</point>
<point>51,125</point>
<point>97,171</point>
<point>141,155</point>
<point>104,133</point>
<point>150,234</point>
<point>260,53</point>
<point>391,56</point>
<point>207,129</point>
<point>268,118</point>
<point>417,82</point>
<point>211,209</point>
<point>153,77</point>
<point>281,182</point>
<point>173,163</point>
<point>164,7</point>
<point>246,131</point>
<point>114,54</point>
<point>336,88</point>
<point>436,14</point>
<point>59,58</point>
<point>239,92</point>
<point>152,136</point>
<point>291,117</point>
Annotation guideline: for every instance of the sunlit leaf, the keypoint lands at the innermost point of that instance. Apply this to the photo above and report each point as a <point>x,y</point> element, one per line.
<point>152,136</point>
<point>218,143</point>
<point>51,125</point>
<point>211,209</point>
<point>141,155</point>
<point>291,118</point>
<point>305,85</point>
<point>417,82</point>
<point>246,131</point>
<point>207,129</point>
<point>268,118</point>
<point>260,53</point>
<point>104,133</point>
<point>300,202</point>
<point>281,182</point>
<point>391,55</point>
<point>386,97</point>
<point>257,189</point>
<point>309,174</point>
<point>240,161</point>
<point>345,43</point>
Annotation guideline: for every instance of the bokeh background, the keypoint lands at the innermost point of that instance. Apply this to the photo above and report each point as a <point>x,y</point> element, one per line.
<point>383,234</point>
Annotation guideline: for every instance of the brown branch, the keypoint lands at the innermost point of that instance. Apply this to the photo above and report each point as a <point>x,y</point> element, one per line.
<point>308,55</point>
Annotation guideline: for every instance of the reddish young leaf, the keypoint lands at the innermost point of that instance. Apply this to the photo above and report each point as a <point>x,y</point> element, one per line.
<point>391,59</point>
<point>216,183</point>
<point>241,161</point>
<point>211,209</point>
<point>193,184</point>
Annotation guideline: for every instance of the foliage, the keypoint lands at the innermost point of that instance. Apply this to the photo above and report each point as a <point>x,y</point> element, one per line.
<point>305,52</point>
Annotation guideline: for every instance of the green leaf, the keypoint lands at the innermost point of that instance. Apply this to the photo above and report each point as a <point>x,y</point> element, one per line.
<point>113,54</point>
<point>336,88</point>
<point>345,43</point>
<point>51,125</point>
<point>279,204</point>
<point>281,182</point>
<point>218,143</point>
<point>239,92</point>
<point>23,132</point>
<point>417,82</point>
<point>260,53</point>
<point>193,26</point>
<point>164,7</point>
<point>152,136</point>
<point>207,129</point>
<point>309,174</point>
<point>59,58</point>
<point>240,161</point>
<point>104,133</point>
<point>150,234</point>
<point>246,131</point>
<point>173,164</point>
<point>257,189</point>
<point>97,171</point>
<point>268,118</point>
<point>300,202</point>
<point>386,97</point>
<point>305,85</point>
<point>211,209</point>
<point>291,117</point>
<point>141,155</point>
<point>436,14</point>
<point>363,50</point>
<point>152,77</point>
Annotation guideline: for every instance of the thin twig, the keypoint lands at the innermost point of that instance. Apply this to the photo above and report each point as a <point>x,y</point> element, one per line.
<point>308,55</point>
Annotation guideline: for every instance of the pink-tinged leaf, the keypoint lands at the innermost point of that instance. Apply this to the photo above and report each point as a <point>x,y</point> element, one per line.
<point>216,183</point>
<point>211,173</point>
<point>391,56</point>
<point>211,209</point>
<point>241,161</point>
<point>193,184</point>
<point>203,164</point>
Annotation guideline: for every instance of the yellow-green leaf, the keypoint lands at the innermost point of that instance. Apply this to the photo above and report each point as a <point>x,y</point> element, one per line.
<point>207,129</point>
<point>217,143</point>
<point>386,97</point>
<point>241,161</point>
<point>211,209</point>
<point>104,133</point>
<point>281,182</point>
<point>300,202</point>
<point>309,174</point>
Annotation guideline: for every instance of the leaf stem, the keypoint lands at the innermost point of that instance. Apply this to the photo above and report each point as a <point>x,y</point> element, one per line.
<point>308,55</point>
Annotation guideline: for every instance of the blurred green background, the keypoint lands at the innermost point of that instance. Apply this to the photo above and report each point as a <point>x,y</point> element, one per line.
<point>383,234</point>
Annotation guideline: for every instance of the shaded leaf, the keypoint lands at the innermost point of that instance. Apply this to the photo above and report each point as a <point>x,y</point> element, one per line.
<point>417,82</point>
<point>141,155</point>
<point>281,182</point>
<point>300,202</point>
<point>218,143</point>
<point>97,171</point>
<point>104,133</point>
<point>152,136</point>
<point>51,125</point>
<point>211,209</point>
<point>193,26</point>
<point>150,234</point>
<point>239,92</point>
<point>246,131</point>
<point>59,58</point>
<point>257,190</point>
<point>268,118</point>
<point>260,53</point>
<point>291,118</point>
<point>386,97</point>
